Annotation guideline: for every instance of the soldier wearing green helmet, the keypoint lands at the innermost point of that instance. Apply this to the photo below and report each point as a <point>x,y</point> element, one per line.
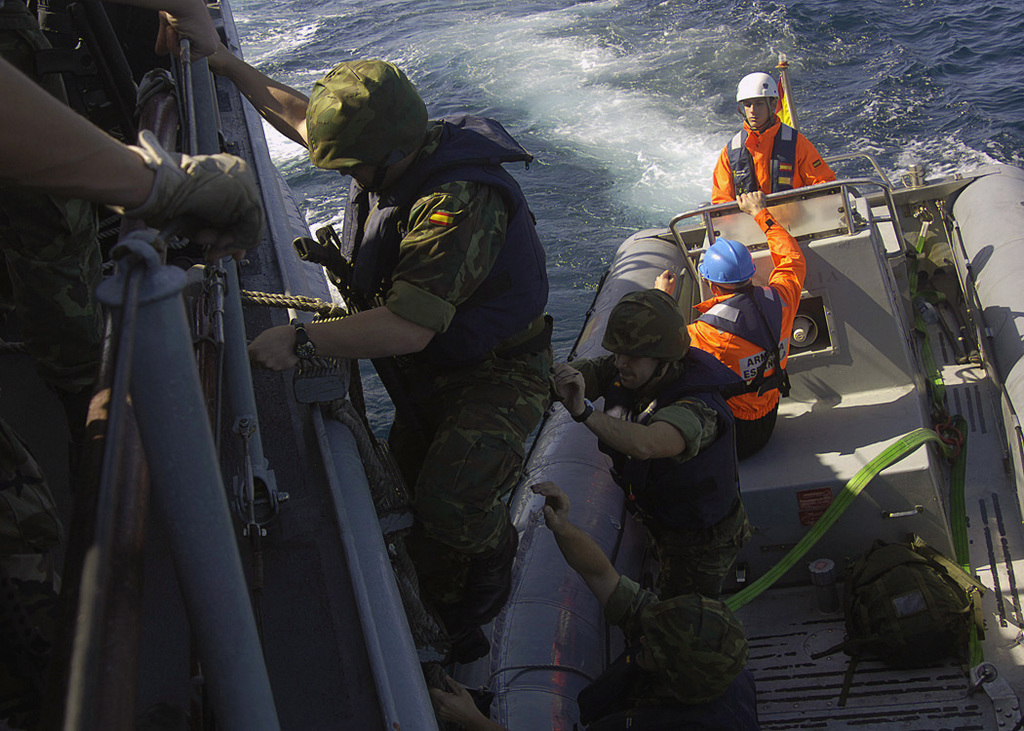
<point>670,435</point>
<point>364,113</point>
<point>450,278</point>
<point>684,666</point>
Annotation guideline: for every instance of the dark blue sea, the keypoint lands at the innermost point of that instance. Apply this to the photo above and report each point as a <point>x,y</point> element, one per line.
<point>626,104</point>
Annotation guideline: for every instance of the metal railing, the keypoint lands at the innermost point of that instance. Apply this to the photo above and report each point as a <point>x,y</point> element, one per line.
<point>153,375</point>
<point>847,191</point>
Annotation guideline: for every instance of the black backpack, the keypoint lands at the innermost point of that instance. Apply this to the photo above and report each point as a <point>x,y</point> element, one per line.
<point>909,606</point>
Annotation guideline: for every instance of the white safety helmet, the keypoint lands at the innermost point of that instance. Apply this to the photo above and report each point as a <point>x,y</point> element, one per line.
<point>756,86</point>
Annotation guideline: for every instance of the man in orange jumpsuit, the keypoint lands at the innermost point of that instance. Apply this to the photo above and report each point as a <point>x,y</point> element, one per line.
<point>748,327</point>
<point>766,154</point>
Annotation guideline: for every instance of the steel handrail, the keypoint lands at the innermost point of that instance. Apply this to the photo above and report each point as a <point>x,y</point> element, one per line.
<point>845,187</point>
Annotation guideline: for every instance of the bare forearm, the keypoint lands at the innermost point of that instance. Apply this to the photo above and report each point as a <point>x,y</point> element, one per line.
<point>639,441</point>
<point>375,333</point>
<point>46,146</point>
<point>584,556</point>
<point>282,106</point>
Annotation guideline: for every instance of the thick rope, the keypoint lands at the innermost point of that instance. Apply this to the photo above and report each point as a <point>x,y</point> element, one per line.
<point>263,299</point>
<point>305,304</point>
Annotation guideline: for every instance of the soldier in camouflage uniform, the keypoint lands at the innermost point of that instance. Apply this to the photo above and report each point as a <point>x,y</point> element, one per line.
<point>450,277</point>
<point>29,530</point>
<point>49,243</point>
<point>684,663</point>
<point>685,657</point>
<point>53,266</point>
<point>671,438</point>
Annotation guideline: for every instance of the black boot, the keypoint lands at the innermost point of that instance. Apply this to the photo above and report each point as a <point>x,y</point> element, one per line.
<point>488,585</point>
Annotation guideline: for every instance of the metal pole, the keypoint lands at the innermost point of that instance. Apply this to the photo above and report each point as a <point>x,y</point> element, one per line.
<point>389,645</point>
<point>188,491</point>
<point>238,375</point>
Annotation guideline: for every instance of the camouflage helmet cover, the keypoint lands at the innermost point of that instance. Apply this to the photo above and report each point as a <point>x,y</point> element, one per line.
<point>697,643</point>
<point>647,324</point>
<point>363,112</point>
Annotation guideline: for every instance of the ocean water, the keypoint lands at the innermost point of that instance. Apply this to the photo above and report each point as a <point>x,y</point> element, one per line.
<point>626,103</point>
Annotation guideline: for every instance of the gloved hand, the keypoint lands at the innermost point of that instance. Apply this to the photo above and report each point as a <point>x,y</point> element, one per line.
<point>214,196</point>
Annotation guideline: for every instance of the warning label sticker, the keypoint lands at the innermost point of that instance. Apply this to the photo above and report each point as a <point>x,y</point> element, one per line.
<point>811,504</point>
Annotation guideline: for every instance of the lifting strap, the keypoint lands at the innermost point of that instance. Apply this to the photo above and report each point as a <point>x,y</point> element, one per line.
<point>892,454</point>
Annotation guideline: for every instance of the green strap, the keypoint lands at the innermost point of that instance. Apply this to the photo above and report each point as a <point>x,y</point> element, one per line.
<point>957,504</point>
<point>889,456</point>
<point>958,524</point>
<point>936,386</point>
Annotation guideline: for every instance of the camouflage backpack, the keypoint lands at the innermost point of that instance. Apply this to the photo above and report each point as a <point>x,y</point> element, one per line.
<point>909,606</point>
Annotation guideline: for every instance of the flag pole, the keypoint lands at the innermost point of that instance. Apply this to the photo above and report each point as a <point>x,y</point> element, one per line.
<point>787,92</point>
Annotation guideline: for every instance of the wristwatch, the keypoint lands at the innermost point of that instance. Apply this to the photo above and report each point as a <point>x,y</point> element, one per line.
<point>588,409</point>
<point>304,347</point>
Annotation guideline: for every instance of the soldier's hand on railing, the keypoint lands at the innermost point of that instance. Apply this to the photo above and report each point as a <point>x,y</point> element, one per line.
<point>186,19</point>
<point>213,197</point>
<point>274,348</point>
<point>752,203</point>
<point>666,282</point>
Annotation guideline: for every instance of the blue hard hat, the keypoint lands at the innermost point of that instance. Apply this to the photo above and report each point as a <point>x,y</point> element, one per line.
<point>727,262</point>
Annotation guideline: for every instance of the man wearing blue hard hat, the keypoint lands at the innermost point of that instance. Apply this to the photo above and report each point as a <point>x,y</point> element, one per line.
<point>748,327</point>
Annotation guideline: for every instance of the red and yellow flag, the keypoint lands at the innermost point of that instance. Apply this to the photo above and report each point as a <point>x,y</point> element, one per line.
<point>442,218</point>
<point>783,110</point>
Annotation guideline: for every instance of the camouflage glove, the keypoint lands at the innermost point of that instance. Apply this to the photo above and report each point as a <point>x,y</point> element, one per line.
<point>205,191</point>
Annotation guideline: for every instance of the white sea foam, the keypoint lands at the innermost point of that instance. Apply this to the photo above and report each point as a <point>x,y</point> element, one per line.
<point>585,97</point>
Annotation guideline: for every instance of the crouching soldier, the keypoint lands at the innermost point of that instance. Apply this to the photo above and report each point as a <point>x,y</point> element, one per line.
<point>671,438</point>
<point>684,666</point>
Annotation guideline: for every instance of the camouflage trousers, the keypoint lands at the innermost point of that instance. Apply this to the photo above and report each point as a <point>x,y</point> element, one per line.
<point>29,529</point>
<point>50,247</point>
<point>698,561</point>
<point>466,462</point>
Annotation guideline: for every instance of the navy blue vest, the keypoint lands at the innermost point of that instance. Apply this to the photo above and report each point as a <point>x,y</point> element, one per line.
<point>783,155</point>
<point>754,314</point>
<point>699,492</point>
<point>515,292</point>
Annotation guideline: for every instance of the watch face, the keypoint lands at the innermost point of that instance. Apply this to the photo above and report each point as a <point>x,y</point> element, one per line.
<point>304,348</point>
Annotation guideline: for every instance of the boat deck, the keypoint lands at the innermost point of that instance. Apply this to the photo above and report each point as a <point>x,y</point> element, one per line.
<point>785,627</point>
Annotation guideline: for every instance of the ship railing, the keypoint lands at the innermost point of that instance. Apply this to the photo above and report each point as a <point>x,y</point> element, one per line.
<point>151,396</point>
<point>811,212</point>
<point>831,159</point>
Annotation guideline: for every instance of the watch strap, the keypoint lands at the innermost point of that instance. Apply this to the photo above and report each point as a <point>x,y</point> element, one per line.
<point>304,347</point>
<point>588,409</point>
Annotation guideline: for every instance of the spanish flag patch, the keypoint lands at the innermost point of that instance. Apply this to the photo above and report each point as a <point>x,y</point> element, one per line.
<point>816,163</point>
<point>442,218</point>
<point>785,167</point>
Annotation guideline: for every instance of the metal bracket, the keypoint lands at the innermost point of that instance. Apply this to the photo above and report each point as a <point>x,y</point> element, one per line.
<point>1004,701</point>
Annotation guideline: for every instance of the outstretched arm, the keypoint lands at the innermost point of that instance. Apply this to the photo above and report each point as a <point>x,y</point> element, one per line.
<point>375,333</point>
<point>47,147</point>
<point>580,551</point>
<point>655,440</point>
<point>790,265</point>
<point>281,105</point>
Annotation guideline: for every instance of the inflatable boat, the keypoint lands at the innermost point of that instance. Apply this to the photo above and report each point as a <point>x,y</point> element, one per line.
<point>910,320</point>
